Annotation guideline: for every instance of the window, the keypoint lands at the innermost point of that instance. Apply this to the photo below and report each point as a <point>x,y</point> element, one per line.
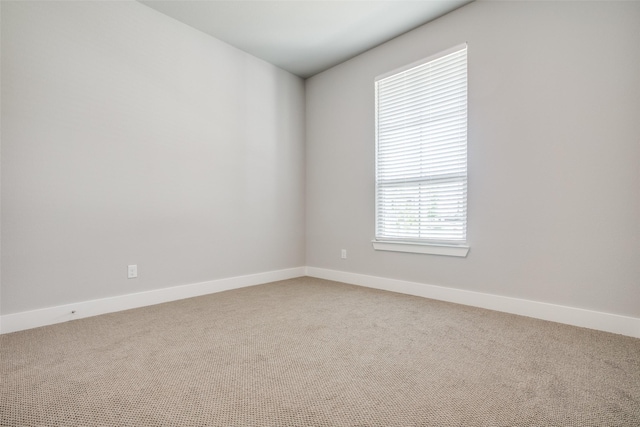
<point>421,156</point>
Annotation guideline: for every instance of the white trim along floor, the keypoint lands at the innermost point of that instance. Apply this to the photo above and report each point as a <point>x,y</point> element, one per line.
<point>607,322</point>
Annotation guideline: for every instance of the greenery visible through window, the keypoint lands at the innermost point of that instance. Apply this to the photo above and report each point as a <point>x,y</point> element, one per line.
<point>421,151</point>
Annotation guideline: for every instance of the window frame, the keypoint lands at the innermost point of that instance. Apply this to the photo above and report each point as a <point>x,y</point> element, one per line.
<point>422,246</point>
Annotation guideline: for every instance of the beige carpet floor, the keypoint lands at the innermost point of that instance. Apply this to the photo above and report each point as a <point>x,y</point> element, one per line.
<point>309,352</point>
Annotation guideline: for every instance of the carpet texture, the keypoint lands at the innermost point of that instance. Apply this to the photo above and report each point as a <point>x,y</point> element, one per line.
<point>309,352</point>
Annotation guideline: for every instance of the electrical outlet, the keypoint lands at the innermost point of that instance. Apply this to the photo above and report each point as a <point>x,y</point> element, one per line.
<point>132,271</point>
<point>343,254</point>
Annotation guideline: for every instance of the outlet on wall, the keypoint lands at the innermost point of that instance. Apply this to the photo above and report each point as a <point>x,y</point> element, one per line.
<point>343,254</point>
<point>132,271</point>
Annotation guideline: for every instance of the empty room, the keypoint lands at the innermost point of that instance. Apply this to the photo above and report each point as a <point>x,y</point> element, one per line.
<point>319,213</point>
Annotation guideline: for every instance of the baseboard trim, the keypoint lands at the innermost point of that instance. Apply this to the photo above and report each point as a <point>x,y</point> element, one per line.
<point>62,313</point>
<point>607,322</point>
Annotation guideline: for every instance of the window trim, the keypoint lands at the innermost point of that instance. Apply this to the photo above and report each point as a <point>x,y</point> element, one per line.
<point>421,248</point>
<point>456,249</point>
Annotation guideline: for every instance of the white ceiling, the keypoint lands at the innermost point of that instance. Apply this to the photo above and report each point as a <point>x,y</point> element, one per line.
<point>302,36</point>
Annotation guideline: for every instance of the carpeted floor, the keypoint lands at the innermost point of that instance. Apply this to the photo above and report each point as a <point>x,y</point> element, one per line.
<point>309,352</point>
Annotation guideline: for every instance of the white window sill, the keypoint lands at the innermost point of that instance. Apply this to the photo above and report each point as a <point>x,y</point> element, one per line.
<point>421,248</point>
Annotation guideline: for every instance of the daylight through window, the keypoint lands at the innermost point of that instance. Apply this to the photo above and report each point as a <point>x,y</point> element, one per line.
<point>421,151</point>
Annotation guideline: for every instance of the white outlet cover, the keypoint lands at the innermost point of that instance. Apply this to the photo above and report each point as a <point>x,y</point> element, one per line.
<point>132,271</point>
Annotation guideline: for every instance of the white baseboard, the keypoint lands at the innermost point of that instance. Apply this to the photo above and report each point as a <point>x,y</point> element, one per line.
<point>607,322</point>
<point>62,313</point>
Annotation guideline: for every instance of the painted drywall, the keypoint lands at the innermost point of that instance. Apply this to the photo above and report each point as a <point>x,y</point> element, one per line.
<point>554,182</point>
<point>131,138</point>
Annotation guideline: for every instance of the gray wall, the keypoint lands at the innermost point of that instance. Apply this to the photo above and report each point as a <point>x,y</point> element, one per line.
<point>130,138</point>
<point>554,155</point>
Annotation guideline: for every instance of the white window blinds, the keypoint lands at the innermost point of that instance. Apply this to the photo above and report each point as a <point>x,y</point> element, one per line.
<point>421,151</point>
